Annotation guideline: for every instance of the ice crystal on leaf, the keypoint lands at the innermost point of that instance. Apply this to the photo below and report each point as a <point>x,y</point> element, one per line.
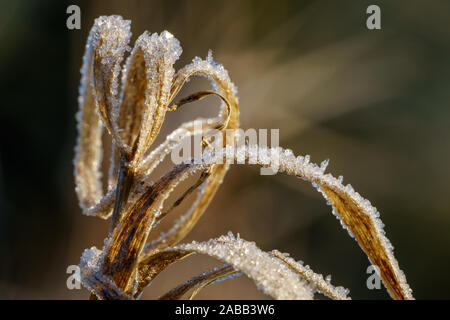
<point>270,274</point>
<point>132,111</point>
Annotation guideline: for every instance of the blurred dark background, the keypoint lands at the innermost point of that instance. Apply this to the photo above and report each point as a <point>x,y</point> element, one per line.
<point>376,103</point>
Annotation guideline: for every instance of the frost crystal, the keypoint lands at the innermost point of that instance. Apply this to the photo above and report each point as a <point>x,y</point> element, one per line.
<point>270,274</point>
<point>316,280</point>
<point>380,247</point>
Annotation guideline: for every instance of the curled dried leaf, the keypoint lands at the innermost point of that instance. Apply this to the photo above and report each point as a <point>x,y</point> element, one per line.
<point>223,85</point>
<point>100,285</point>
<point>221,276</point>
<point>356,214</point>
<point>147,84</point>
<point>151,267</point>
<point>199,282</point>
<point>316,280</point>
<point>112,35</point>
<point>133,118</point>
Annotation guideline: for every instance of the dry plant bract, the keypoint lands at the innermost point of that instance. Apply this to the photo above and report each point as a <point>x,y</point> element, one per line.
<point>131,102</point>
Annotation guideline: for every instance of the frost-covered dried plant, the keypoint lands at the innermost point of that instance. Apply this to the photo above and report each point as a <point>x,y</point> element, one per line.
<point>132,113</point>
